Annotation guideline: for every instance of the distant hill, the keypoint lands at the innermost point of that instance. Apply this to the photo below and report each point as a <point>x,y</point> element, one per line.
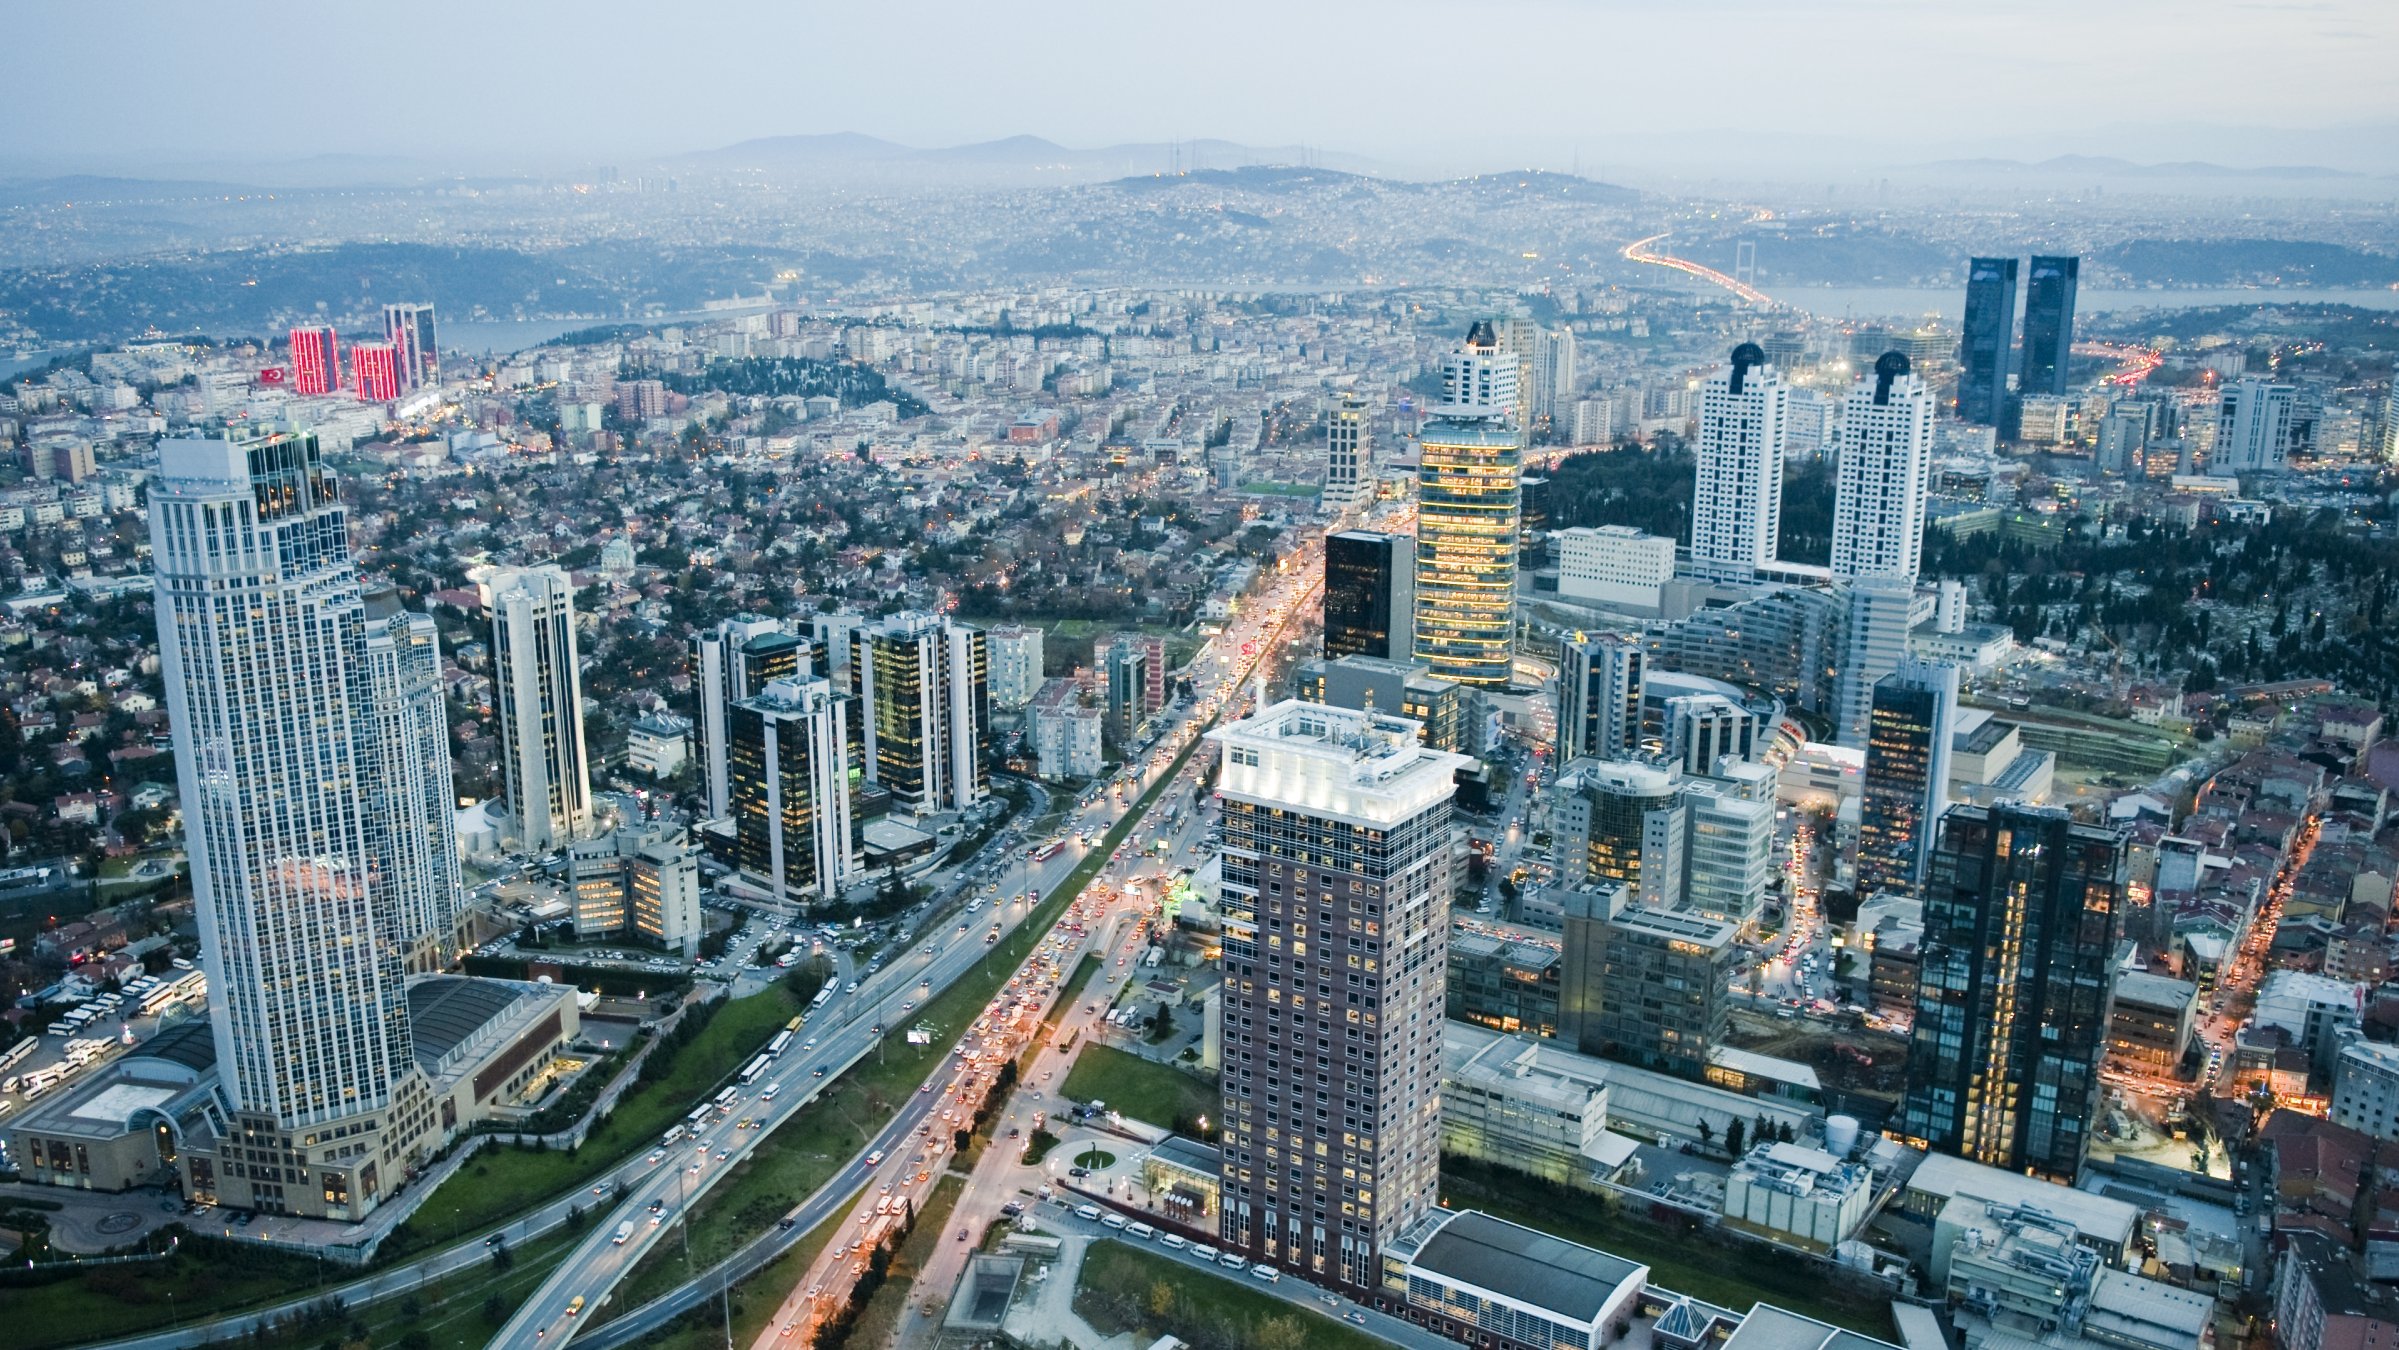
<point>1012,159</point>
<point>2103,166</point>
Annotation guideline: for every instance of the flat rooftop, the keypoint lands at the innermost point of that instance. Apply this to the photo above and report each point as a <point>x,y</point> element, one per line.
<point>1577,1283</point>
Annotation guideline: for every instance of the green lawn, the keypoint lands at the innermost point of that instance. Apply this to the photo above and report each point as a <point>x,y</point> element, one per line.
<point>1732,1276</point>
<point>502,1182</point>
<point>1123,1288</point>
<point>203,1277</point>
<point>1145,1090</point>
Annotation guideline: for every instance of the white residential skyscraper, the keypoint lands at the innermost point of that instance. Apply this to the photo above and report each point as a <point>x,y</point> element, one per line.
<point>537,686</point>
<point>1336,864</point>
<point>412,818</point>
<point>1886,470</point>
<point>314,774</point>
<point>1737,502</point>
<point>2253,427</point>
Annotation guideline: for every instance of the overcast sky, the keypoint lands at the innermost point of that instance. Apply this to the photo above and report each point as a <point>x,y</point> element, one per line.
<point>531,82</point>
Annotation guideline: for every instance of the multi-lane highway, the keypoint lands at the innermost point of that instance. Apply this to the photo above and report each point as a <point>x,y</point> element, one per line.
<point>664,1183</point>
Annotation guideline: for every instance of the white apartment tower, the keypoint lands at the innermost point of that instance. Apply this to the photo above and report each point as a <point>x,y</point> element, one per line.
<point>1336,886</point>
<point>318,861</point>
<point>412,820</point>
<point>1016,665</point>
<point>2253,427</point>
<point>1737,502</point>
<point>1886,441</point>
<point>1348,469</point>
<point>538,688</point>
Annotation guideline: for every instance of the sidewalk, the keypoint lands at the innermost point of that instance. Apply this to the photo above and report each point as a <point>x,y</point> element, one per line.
<point>1048,1317</point>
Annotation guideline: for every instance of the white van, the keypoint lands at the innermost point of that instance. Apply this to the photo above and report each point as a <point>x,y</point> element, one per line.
<point>1233,1261</point>
<point>1113,1220</point>
<point>1140,1230</point>
<point>1088,1213</point>
<point>1174,1240</point>
<point>1203,1251</point>
<point>1267,1273</point>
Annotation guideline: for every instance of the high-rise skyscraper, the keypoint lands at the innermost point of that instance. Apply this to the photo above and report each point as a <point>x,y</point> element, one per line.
<point>1348,470</point>
<point>375,371</point>
<point>409,329</point>
<point>1468,504</point>
<point>318,863</point>
<point>1737,502</point>
<point>2023,908</point>
<point>1906,786</point>
<point>730,662</point>
<point>411,816</point>
<point>1880,613</point>
<point>2253,427</point>
<point>2048,325</point>
<point>1599,696</point>
<point>1335,896</point>
<point>1885,474</point>
<point>790,771</point>
<point>316,359</point>
<point>1369,594</point>
<point>1987,355</point>
<point>922,690</point>
<point>537,686</point>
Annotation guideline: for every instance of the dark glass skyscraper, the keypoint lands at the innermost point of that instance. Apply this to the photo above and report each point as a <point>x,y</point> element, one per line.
<point>1987,356</point>
<point>1907,775</point>
<point>1369,595</point>
<point>2023,908</point>
<point>2048,325</point>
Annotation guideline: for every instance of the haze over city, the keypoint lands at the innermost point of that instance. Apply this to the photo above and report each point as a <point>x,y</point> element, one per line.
<point>1538,675</point>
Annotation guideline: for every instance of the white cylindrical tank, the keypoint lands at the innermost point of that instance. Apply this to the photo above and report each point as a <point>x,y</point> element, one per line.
<point>1840,1135</point>
<point>1949,612</point>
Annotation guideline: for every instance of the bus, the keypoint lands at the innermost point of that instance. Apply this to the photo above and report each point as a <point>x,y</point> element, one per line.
<point>698,1119</point>
<point>16,1054</point>
<point>751,1071</point>
<point>781,1043</point>
<point>795,1023</point>
<point>1048,851</point>
<point>823,997</point>
<point>726,1100</point>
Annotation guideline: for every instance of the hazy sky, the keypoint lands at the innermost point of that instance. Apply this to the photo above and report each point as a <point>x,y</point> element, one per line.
<point>530,82</point>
